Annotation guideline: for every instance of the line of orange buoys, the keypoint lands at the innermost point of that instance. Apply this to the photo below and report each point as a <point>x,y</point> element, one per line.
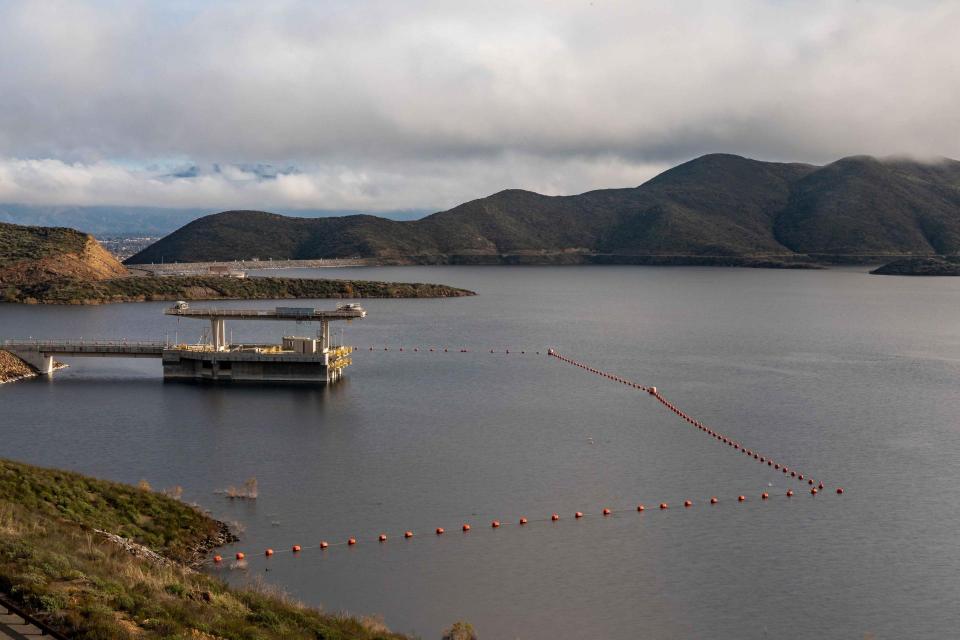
<point>508,352</point>
<point>523,521</point>
<point>815,486</point>
<point>579,515</point>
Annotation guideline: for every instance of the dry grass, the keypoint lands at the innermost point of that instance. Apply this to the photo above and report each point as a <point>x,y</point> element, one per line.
<point>89,586</point>
<point>248,491</point>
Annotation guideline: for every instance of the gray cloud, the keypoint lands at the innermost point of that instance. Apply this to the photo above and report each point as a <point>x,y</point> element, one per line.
<point>381,105</point>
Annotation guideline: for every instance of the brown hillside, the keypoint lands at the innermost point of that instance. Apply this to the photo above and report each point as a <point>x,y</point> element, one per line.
<point>33,254</point>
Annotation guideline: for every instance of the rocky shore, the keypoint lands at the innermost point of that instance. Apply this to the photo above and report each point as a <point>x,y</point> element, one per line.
<point>925,266</point>
<point>13,368</point>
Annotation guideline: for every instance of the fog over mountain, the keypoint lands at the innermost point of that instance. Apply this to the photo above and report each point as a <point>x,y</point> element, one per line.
<point>379,106</point>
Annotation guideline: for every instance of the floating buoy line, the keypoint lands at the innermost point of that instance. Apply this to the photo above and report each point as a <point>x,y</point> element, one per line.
<point>816,487</point>
<point>719,437</point>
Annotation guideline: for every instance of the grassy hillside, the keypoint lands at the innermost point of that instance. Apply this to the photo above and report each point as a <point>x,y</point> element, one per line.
<point>139,289</point>
<point>28,254</point>
<point>716,205</point>
<point>30,243</point>
<point>53,563</point>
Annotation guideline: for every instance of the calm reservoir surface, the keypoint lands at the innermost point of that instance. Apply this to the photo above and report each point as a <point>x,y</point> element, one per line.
<point>850,378</point>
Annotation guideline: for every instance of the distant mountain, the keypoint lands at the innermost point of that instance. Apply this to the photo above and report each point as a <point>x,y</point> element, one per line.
<point>714,207</point>
<point>111,221</point>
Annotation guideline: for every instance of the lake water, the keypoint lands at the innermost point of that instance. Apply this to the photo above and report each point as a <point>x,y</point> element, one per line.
<point>848,377</point>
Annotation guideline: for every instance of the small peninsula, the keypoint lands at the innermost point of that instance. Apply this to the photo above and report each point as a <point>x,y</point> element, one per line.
<point>921,266</point>
<point>53,265</point>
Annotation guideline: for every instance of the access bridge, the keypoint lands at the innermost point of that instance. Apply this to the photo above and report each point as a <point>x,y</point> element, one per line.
<point>294,359</point>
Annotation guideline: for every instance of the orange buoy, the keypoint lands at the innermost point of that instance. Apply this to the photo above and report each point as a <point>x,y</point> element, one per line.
<point>713,500</point>
<point>351,541</point>
<point>466,527</point>
<point>523,521</point>
<point>664,505</point>
<point>789,493</point>
<point>578,514</point>
<point>687,503</point>
<point>383,537</point>
<point>813,491</point>
<point>839,490</point>
<point>218,558</point>
<point>268,552</point>
<point>439,531</point>
<point>495,524</point>
<point>324,544</point>
<point>408,534</point>
<point>640,507</point>
<point>240,555</point>
<point>606,511</point>
<point>296,548</point>
<point>764,495</point>
<point>741,498</point>
<point>554,517</point>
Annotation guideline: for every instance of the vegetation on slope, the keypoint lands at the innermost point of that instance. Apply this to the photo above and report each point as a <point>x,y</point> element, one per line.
<point>54,563</point>
<point>139,289</point>
<point>716,205</point>
<point>28,254</point>
<point>32,243</point>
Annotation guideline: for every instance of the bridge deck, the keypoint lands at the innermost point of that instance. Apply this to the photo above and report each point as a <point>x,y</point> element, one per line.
<point>280,313</point>
<point>113,348</point>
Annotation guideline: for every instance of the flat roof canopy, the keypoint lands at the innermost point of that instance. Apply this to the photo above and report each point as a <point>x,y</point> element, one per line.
<point>301,314</point>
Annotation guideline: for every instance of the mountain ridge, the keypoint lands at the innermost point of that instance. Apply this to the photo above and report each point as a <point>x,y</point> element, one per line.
<point>719,205</point>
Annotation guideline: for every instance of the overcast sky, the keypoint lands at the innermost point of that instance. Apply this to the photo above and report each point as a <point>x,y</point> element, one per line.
<point>418,104</point>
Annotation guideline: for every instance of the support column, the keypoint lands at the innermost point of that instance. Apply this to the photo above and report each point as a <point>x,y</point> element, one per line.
<point>218,333</point>
<point>324,335</point>
<point>39,361</point>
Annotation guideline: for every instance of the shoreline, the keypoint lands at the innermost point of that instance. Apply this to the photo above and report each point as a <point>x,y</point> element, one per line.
<point>538,258</point>
<point>13,369</point>
<point>72,544</point>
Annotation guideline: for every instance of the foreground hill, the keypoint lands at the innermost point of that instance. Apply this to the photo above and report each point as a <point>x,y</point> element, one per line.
<point>31,254</point>
<point>707,210</point>
<point>97,559</point>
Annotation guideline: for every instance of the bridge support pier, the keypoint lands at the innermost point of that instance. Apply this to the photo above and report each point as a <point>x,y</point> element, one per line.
<point>39,361</point>
<point>218,336</point>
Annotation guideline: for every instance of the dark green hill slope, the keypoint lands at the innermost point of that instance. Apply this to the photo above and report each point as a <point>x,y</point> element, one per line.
<point>716,205</point>
<point>865,205</point>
